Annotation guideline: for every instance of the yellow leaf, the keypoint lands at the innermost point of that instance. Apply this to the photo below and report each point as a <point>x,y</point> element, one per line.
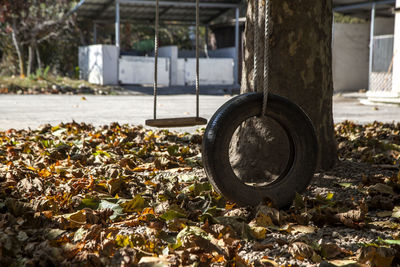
<point>44,173</point>
<point>148,211</point>
<point>229,206</point>
<point>136,204</point>
<point>218,258</point>
<point>329,196</point>
<point>123,241</point>
<point>150,183</point>
<point>76,219</point>
<point>264,220</point>
<point>258,232</point>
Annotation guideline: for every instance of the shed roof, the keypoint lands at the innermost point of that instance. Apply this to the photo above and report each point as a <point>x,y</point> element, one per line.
<point>383,8</point>
<point>143,10</point>
<point>183,11</point>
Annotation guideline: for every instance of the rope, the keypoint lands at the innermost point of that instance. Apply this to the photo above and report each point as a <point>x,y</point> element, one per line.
<point>267,57</point>
<point>256,47</point>
<point>197,58</point>
<point>156,59</point>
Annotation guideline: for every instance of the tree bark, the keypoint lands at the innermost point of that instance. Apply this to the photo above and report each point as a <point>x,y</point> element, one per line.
<point>18,50</point>
<point>31,57</point>
<point>38,59</point>
<point>300,70</point>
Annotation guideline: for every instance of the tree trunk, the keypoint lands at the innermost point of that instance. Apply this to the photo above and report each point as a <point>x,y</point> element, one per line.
<point>300,70</point>
<point>18,50</point>
<point>31,57</point>
<point>38,59</point>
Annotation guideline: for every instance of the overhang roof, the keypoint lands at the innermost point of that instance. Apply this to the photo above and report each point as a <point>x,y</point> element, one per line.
<point>359,7</point>
<point>183,11</point>
<point>142,11</point>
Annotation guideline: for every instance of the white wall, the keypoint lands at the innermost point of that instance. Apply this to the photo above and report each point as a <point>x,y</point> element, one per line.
<point>99,64</point>
<point>171,52</point>
<point>213,71</point>
<point>140,70</point>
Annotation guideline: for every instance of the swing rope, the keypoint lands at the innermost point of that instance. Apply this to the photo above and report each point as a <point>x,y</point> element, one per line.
<point>256,46</point>
<point>156,59</point>
<point>176,122</point>
<point>197,58</point>
<point>267,56</point>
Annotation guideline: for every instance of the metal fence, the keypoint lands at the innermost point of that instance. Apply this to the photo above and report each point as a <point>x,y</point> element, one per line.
<point>382,62</point>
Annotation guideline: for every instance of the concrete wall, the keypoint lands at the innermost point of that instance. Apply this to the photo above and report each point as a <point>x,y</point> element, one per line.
<point>384,26</point>
<point>212,71</point>
<point>98,64</point>
<point>171,52</point>
<point>351,53</point>
<point>350,56</point>
<point>140,70</point>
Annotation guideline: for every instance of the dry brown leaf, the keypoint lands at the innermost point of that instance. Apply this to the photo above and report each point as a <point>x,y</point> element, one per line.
<point>300,251</point>
<point>376,256</point>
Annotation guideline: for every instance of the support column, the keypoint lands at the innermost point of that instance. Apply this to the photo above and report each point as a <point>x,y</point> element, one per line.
<point>236,67</point>
<point>371,45</point>
<point>117,24</point>
<point>396,53</point>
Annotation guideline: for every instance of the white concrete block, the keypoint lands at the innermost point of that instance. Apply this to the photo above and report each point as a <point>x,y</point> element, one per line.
<point>99,64</point>
<point>140,70</point>
<point>171,52</point>
<point>180,72</point>
<point>213,71</point>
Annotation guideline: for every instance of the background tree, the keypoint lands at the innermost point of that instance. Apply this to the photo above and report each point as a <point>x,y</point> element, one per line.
<point>301,71</point>
<point>28,23</point>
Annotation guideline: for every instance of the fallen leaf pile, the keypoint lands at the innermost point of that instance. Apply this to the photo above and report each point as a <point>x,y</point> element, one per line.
<point>119,195</point>
<point>377,143</point>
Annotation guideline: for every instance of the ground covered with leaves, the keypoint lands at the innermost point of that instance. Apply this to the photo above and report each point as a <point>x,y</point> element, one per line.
<point>119,195</point>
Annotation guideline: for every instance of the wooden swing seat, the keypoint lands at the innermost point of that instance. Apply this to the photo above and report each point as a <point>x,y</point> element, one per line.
<point>176,122</point>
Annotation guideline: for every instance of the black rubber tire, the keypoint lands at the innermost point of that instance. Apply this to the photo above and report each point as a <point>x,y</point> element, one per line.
<point>302,159</point>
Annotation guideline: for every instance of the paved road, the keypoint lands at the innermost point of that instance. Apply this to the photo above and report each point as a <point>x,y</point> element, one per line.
<point>23,111</point>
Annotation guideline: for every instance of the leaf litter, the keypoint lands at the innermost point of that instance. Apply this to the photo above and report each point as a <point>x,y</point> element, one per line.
<point>74,194</point>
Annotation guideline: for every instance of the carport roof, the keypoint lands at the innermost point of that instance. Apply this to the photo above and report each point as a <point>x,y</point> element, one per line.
<point>358,7</point>
<point>182,11</point>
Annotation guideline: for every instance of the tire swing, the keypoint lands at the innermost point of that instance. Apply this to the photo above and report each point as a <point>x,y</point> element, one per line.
<point>183,121</point>
<point>301,162</point>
